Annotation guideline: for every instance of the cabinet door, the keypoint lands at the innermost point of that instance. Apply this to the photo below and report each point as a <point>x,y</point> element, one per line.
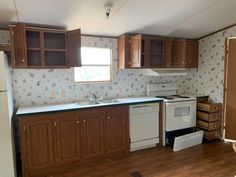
<point>123,52</point>
<point>92,133</point>
<point>191,54</point>
<point>39,143</point>
<point>18,46</point>
<point>67,135</point>
<point>73,45</point>
<point>116,129</point>
<point>178,53</point>
<point>135,51</point>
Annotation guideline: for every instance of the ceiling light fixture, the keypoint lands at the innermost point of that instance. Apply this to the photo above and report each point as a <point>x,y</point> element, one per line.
<point>108,6</point>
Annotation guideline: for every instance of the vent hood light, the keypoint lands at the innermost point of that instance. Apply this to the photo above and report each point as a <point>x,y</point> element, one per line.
<point>165,72</point>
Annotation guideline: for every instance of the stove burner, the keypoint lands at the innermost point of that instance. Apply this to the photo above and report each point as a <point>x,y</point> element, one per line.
<point>171,97</point>
<point>180,96</point>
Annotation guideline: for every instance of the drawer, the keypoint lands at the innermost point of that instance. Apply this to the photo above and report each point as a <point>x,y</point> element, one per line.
<point>212,135</point>
<point>209,126</point>
<point>209,107</point>
<point>209,117</point>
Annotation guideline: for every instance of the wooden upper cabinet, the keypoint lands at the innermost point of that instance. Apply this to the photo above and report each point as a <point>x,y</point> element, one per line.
<point>18,46</point>
<point>139,51</point>
<point>45,48</point>
<point>38,136</point>
<point>178,53</point>
<point>191,54</point>
<point>116,129</point>
<point>136,52</point>
<point>184,53</point>
<point>73,44</point>
<point>124,52</point>
<point>92,133</point>
<point>67,136</point>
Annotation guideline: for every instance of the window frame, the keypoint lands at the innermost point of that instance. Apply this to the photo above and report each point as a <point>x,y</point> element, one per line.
<point>100,81</point>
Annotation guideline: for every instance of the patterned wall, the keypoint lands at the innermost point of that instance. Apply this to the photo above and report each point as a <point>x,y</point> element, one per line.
<point>209,77</point>
<point>37,87</point>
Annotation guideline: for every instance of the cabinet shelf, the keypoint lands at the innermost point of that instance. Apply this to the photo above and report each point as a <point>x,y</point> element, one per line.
<point>45,48</point>
<point>55,50</point>
<point>33,49</point>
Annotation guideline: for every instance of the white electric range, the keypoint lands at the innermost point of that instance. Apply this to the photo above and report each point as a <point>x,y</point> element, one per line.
<point>179,111</point>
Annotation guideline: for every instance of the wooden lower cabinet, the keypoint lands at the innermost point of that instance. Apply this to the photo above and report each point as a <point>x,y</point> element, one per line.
<point>67,138</point>
<point>37,143</point>
<point>117,128</point>
<point>53,143</point>
<point>92,133</point>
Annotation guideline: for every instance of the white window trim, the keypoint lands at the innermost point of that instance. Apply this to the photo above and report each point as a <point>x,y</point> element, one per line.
<point>101,81</point>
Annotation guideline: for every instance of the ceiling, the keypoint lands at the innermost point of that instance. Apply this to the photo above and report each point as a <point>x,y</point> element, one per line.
<point>176,18</point>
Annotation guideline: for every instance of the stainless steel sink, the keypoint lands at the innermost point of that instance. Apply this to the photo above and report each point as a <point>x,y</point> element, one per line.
<point>109,101</point>
<point>89,103</point>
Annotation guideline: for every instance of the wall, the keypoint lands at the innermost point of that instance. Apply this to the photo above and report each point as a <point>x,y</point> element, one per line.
<point>37,87</point>
<point>209,77</point>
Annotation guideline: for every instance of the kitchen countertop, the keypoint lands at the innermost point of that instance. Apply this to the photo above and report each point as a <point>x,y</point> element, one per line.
<point>76,106</point>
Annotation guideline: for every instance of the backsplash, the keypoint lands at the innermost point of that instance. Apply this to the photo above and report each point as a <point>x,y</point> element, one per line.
<point>52,86</point>
<point>209,77</point>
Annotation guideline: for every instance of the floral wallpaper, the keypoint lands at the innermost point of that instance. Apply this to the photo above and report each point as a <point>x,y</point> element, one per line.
<point>209,77</point>
<point>52,86</point>
<point>35,86</point>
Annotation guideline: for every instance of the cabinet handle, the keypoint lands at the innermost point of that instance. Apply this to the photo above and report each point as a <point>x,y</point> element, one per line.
<point>84,121</point>
<point>215,135</point>
<point>77,122</point>
<point>23,60</point>
<point>108,117</point>
<point>216,107</point>
<point>183,62</point>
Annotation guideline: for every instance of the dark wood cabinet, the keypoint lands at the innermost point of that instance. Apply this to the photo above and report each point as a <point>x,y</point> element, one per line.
<point>184,53</point>
<point>37,143</point>
<point>52,142</point>
<point>116,123</point>
<point>124,52</point>
<point>136,52</point>
<point>140,51</point>
<point>92,133</point>
<point>44,48</point>
<point>67,138</point>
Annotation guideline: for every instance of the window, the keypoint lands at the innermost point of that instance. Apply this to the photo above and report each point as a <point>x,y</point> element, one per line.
<point>96,65</point>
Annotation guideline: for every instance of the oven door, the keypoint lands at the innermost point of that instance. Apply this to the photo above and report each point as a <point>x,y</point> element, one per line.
<point>180,115</point>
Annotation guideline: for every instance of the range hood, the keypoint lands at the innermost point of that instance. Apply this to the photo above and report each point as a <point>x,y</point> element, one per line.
<point>165,72</point>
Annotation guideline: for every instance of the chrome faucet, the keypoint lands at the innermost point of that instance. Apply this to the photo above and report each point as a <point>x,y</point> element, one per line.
<point>93,98</point>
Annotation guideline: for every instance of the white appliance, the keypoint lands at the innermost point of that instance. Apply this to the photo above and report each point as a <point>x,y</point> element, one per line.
<point>7,167</point>
<point>179,111</point>
<point>144,126</point>
<point>180,115</point>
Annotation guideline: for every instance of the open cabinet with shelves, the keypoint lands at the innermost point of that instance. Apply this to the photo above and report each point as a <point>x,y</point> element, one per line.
<point>45,48</point>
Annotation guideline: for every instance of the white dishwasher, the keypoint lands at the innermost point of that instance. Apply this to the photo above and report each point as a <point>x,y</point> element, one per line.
<point>144,125</point>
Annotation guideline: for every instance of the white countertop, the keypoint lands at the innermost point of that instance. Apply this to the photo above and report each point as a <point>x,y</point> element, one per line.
<point>73,106</point>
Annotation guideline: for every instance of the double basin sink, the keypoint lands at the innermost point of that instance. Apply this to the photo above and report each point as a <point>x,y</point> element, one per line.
<point>101,102</point>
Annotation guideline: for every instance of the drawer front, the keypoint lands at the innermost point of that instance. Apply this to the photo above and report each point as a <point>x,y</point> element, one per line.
<point>209,117</point>
<point>209,126</point>
<point>210,107</point>
<point>215,117</point>
<point>212,135</point>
